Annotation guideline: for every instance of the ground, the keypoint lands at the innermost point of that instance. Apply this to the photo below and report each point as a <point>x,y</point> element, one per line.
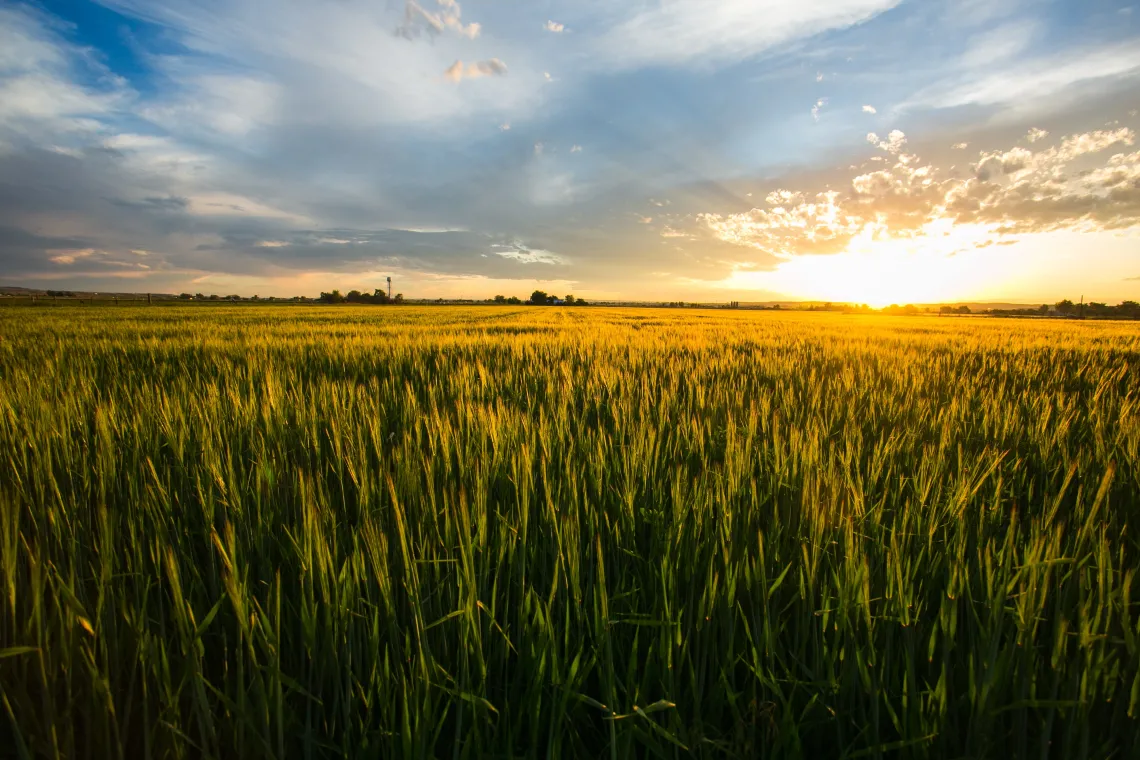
<point>270,531</point>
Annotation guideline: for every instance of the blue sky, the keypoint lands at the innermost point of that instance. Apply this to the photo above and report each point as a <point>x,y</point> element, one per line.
<point>861,150</point>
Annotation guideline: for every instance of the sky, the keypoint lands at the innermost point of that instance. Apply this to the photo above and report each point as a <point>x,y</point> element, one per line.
<point>869,151</point>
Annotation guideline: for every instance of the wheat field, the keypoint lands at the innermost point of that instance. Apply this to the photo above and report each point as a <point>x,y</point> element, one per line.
<point>316,532</point>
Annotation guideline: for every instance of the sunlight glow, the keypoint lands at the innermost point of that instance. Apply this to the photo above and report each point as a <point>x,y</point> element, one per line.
<point>945,263</point>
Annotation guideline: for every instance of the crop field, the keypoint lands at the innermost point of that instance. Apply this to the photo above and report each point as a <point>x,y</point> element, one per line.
<point>317,532</point>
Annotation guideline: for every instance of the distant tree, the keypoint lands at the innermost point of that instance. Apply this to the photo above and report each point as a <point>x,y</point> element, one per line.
<point>1044,308</point>
<point>398,298</point>
<point>254,297</point>
<point>185,297</point>
<point>514,301</point>
<point>539,298</point>
<point>963,309</point>
<point>214,297</point>
<point>500,299</point>
<point>333,297</point>
<point>1066,307</point>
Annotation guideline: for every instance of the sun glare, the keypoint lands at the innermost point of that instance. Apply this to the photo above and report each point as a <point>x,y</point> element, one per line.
<point>944,264</point>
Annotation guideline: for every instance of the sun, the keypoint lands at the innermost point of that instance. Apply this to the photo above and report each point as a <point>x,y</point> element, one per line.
<point>941,264</point>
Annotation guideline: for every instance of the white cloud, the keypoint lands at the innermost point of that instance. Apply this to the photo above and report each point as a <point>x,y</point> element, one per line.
<point>539,148</point>
<point>336,65</point>
<point>1012,192</point>
<point>491,67</point>
<point>229,204</point>
<point>1036,134</point>
<point>1000,44</point>
<point>505,126</point>
<point>673,32</point>
<point>819,76</point>
<point>893,144</point>
<point>418,20</point>
<point>526,255</point>
<point>554,26</point>
<point>1030,81</point>
<point>815,110</point>
<point>960,146</point>
<point>70,256</point>
<point>870,109</point>
<point>575,148</point>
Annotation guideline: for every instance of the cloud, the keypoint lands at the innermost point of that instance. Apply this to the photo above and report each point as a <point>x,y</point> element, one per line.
<point>1036,134</point>
<point>1011,192</point>
<point>999,44</point>
<point>960,146</point>
<point>676,32</point>
<point>819,105</point>
<point>575,148</point>
<point>870,109</point>
<point>893,144</point>
<point>328,69</point>
<point>1029,80</point>
<point>418,21</point>
<point>505,126</point>
<point>491,67</point>
<point>526,255</point>
<point>554,26</point>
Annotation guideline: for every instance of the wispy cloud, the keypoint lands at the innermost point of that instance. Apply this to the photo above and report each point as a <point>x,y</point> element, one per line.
<point>1029,82</point>
<point>527,255</point>
<point>554,26</point>
<point>673,32</point>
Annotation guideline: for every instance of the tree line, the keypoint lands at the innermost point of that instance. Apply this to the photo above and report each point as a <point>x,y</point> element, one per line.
<point>542,298</point>
<point>355,296</point>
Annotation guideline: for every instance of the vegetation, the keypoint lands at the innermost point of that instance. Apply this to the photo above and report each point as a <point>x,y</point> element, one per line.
<point>355,296</point>
<point>254,533</point>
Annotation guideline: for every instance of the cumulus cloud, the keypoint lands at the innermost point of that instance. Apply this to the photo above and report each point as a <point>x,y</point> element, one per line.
<point>491,67</point>
<point>554,26</point>
<point>1036,134</point>
<point>960,146</point>
<point>1069,185</point>
<point>418,20</point>
<point>870,109</point>
<point>893,143</point>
